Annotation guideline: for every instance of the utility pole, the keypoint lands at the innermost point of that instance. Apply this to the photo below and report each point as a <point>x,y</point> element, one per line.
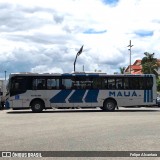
<point>5,74</point>
<point>130,46</point>
<point>83,68</point>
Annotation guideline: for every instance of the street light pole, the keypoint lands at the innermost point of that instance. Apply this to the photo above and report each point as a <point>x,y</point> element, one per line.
<point>5,74</point>
<point>75,62</point>
<point>78,53</point>
<point>130,46</point>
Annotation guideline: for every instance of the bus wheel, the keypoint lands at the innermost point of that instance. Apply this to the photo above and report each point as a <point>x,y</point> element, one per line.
<point>37,106</point>
<point>109,105</point>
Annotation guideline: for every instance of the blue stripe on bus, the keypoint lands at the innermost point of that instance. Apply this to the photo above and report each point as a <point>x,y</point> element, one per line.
<point>92,96</point>
<point>151,95</point>
<point>79,75</point>
<point>77,96</point>
<point>148,96</point>
<point>94,75</point>
<point>144,95</point>
<point>67,75</point>
<point>60,97</point>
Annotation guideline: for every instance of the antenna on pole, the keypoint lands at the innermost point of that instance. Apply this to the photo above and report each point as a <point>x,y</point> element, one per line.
<point>130,46</point>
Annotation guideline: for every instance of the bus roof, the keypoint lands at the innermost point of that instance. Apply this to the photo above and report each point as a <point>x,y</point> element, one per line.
<point>94,74</point>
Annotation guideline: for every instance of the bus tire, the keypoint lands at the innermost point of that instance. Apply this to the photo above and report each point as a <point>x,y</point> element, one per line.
<point>109,105</point>
<point>37,106</point>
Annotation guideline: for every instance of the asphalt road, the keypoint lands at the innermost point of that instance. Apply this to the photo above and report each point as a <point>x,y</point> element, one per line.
<point>135,129</point>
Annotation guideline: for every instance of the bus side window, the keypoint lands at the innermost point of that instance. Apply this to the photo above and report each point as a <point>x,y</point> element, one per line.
<point>97,83</point>
<point>142,83</point>
<point>119,83</point>
<point>53,83</point>
<point>63,87</point>
<point>40,86</point>
<point>126,83</point>
<point>111,83</point>
<point>110,86</point>
<point>119,86</point>
<point>134,83</point>
<point>104,83</point>
<point>66,83</point>
<point>114,86</point>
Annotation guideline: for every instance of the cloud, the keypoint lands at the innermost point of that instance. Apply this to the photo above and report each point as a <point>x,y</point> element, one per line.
<point>58,18</point>
<point>45,69</point>
<point>44,36</point>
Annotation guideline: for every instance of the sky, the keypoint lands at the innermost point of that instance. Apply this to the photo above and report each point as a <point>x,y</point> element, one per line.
<point>44,36</point>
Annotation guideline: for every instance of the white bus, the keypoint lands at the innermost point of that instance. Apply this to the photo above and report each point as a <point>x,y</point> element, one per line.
<point>43,91</point>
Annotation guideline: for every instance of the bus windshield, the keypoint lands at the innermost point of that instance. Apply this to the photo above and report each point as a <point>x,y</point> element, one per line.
<point>17,85</point>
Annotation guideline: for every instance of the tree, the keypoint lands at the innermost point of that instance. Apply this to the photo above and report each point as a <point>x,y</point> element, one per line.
<point>122,70</point>
<point>149,64</point>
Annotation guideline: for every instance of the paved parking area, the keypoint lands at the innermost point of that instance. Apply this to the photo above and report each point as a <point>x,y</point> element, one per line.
<point>134,129</point>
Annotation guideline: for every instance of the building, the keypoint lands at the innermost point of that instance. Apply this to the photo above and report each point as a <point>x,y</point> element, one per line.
<point>136,68</point>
